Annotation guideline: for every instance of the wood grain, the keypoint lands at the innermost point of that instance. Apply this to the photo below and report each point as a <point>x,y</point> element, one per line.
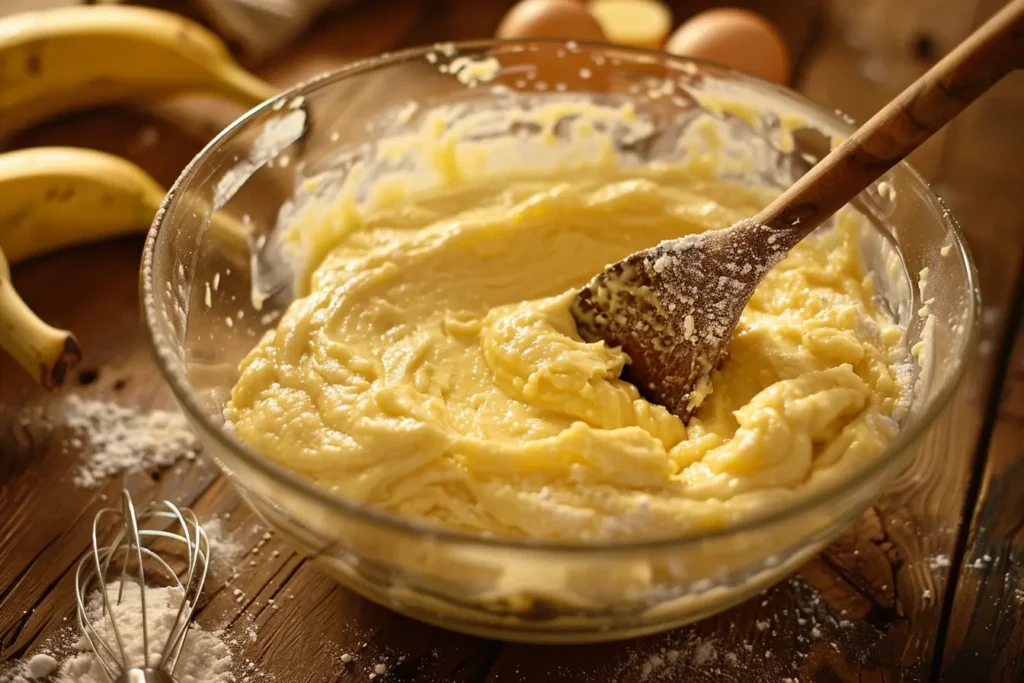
<point>986,623</point>
<point>858,612</point>
<point>986,627</point>
<point>924,511</point>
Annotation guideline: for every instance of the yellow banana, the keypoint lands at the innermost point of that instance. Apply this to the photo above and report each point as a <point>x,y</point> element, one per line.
<point>52,197</point>
<point>55,197</point>
<point>44,351</point>
<point>57,60</point>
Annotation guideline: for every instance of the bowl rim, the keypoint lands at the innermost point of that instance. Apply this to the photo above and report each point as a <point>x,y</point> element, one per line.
<point>180,386</point>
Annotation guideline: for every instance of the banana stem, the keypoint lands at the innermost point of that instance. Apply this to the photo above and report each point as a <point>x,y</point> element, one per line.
<point>46,352</point>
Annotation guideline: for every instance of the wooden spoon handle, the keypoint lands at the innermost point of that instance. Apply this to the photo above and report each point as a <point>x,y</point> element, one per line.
<point>987,55</point>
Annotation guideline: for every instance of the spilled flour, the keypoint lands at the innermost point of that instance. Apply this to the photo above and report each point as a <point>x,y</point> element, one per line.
<point>225,550</point>
<point>115,439</point>
<point>205,658</point>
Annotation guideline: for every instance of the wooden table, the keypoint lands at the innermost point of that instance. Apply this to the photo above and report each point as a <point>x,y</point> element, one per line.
<point>928,585</point>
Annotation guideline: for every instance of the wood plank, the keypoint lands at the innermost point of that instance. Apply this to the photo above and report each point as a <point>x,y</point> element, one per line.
<point>986,625</point>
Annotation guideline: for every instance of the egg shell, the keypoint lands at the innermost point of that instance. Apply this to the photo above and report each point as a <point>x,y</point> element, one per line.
<point>549,19</point>
<point>735,38</point>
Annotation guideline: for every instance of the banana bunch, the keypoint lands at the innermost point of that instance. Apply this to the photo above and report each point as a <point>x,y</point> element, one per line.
<point>68,58</point>
<point>52,197</point>
<point>56,197</point>
<point>60,60</point>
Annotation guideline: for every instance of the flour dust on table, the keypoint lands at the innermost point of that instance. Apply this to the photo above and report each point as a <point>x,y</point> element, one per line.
<point>206,657</point>
<point>117,439</point>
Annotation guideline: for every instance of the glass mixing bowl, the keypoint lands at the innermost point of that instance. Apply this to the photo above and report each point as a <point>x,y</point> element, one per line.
<point>209,296</point>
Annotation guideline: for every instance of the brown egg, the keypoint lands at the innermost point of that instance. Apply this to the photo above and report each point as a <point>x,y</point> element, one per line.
<point>549,19</point>
<point>735,38</point>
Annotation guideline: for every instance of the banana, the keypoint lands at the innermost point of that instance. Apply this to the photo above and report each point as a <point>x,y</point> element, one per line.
<point>44,351</point>
<point>55,197</point>
<point>58,60</point>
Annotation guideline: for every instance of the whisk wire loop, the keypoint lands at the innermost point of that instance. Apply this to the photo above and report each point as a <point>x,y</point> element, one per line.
<point>129,545</point>
<point>199,552</point>
<point>132,526</point>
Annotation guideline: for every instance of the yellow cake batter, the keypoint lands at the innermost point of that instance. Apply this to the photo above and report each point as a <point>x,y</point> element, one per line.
<point>434,369</point>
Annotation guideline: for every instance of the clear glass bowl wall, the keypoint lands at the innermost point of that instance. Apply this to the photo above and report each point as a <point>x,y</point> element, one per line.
<point>196,296</point>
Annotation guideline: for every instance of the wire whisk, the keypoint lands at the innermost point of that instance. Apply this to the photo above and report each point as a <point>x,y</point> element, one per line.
<point>129,555</point>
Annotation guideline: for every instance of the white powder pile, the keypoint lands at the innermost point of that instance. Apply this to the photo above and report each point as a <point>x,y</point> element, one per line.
<point>41,666</point>
<point>121,439</point>
<point>224,549</point>
<point>799,615</point>
<point>205,658</point>
<point>51,652</point>
<point>692,652</point>
<point>38,668</point>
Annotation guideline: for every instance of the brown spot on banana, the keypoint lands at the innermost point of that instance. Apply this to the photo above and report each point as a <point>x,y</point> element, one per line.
<point>47,353</point>
<point>54,376</point>
<point>34,62</point>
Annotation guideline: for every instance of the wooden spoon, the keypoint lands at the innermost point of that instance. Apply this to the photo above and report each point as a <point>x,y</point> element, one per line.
<point>672,308</point>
